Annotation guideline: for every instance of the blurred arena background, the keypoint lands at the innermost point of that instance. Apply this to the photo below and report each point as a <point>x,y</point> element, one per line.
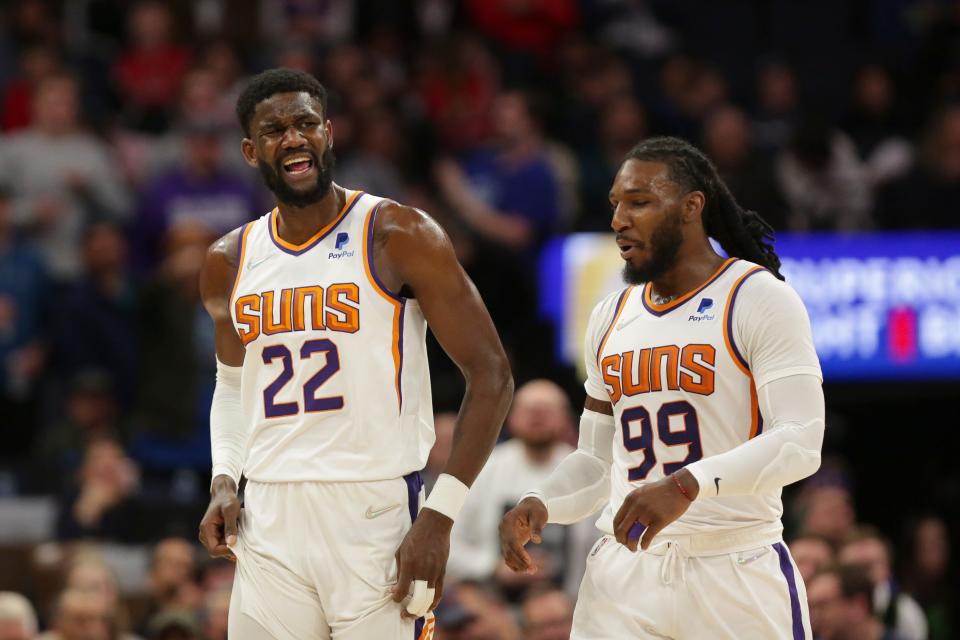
<point>839,121</point>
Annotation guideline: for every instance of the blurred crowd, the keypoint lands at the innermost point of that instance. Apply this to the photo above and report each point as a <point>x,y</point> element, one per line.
<point>506,120</point>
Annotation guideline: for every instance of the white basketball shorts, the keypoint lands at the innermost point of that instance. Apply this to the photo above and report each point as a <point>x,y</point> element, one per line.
<point>315,560</point>
<point>741,586</point>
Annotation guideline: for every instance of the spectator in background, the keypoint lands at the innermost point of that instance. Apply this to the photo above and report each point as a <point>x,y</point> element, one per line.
<point>827,511</point>
<point>926,575</point>
<point>547,615</point>
<point>89,574</point>
<point>24,294</point>
<point>507,194</point>
<point>174,625</point>
<point>199,190</point>
<point>918,199</point>
<point>100,307</point>
<point>875,126</point>
<point>623,123</point>
<point>868,548</point>
<point>104,506</point>
<point>840,606</point>
<point>60,176</point>
<point>810,553</point>
<point>36,63</point>
<point>826,186</point>
<point>171,576</point>
<point>149,71</point>
<point>18,621</point>
<point>539,419</point>
<point>80,615</point>
<point>375,161</point>
<point>176,355</point>
<point>778,107</point>
<point>216,604</point>
<point>457,84</point>
<point>90,415</point>
<point>728,143</point>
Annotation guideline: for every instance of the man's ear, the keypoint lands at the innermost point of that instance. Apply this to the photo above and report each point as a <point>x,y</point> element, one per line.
<point>693,206</point>
<point>249,151</point>
<point>329,127</point>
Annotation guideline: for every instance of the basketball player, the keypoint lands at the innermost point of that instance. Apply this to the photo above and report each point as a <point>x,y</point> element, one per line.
<point>703,400</point>
<point>323,394</point>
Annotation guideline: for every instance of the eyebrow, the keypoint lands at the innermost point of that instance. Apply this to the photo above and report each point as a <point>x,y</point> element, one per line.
<point>631,191</point>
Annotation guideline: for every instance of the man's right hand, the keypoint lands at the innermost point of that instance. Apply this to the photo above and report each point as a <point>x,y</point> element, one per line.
<point>519,526</point>
<point>219,525</point>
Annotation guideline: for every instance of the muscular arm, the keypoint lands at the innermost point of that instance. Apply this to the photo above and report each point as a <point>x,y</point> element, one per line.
<point>413,253</point>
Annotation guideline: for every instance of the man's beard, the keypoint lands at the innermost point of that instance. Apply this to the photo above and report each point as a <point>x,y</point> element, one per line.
<point>294,198</point>
<point>665,243</point>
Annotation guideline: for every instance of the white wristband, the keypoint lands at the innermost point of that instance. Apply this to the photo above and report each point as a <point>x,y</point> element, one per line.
<point>447,496</point>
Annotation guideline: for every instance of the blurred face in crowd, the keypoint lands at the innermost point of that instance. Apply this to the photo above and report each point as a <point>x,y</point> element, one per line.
<point>56,105</point>
<point>539,414</point>
<point>648,218</point>
<point>216,605</point>
<point>777,89</point>
<point>172,566</point>
<point>810,554</point>
<point>92,576</point>
<point>622,124</point>
<point>870,553</point>
<point>511,119</point>
<point>83,616</point>
<point>291,143</point>
<point>548,616</point>
<point>932,547</point>
<point>106,464</point>
<point>105,249</point>
<point>829,513</point>
<point>946,143</point>
<point>203,153</point>
<point>727,136</point>
<point>150,25</point>
<point>14,630</point>
<point>825,599</point>
<point>874,90</point>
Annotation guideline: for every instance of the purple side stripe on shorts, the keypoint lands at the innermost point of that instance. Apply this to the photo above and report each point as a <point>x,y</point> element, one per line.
<point>414,485</point>
<point>418,628</point>
<point>787,568</point>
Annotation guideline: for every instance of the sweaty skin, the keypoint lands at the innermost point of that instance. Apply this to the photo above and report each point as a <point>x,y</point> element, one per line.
<point>413,257</point>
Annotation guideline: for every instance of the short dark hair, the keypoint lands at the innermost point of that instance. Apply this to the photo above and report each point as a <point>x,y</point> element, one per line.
<point>854,581</point>
<point>273,81</point>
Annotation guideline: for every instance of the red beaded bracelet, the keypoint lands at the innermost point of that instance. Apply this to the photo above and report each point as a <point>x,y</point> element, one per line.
<point>680,486</point>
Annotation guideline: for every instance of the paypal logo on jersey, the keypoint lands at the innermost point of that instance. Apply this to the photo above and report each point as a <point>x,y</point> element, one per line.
<point>343,239</point>
<point>705,305</point>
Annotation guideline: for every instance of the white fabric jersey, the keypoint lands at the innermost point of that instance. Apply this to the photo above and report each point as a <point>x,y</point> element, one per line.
<point>335,379</point>
<point>682,378</point>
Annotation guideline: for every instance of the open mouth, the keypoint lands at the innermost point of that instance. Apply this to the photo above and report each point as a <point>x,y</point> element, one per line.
<point>627,248</point>
<point>298,164</point>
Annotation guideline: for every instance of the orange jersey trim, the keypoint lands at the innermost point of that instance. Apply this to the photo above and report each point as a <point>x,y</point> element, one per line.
<point>621,303</point>
<point>660,309</point>
<point>399,304</point>
<point>241,254</point>
<point>300,248</point>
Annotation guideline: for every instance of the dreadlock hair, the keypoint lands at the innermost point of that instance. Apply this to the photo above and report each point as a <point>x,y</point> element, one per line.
<point>741,233</point>
<point>273,81</point>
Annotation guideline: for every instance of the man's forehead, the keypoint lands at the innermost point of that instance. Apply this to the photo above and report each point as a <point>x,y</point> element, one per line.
<point>644,175</point>
<point>286,105</point>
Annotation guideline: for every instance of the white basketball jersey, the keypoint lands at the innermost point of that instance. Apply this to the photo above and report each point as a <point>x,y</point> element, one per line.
<point>681,391</point>
<point>335,378</point>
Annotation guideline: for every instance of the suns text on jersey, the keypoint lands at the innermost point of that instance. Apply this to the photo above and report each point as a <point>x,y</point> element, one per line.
<point>332,308</point>
<point>668,367</point>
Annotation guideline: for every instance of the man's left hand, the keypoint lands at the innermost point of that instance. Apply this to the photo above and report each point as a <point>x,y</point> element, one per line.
<point>653,505</point>
<point>423,556</point>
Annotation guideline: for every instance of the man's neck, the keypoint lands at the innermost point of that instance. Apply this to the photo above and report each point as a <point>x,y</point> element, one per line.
<point>688,273</point>
<point>296,225</point>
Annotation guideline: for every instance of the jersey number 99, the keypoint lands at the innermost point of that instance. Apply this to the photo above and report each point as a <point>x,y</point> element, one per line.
<point>689,435</point>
